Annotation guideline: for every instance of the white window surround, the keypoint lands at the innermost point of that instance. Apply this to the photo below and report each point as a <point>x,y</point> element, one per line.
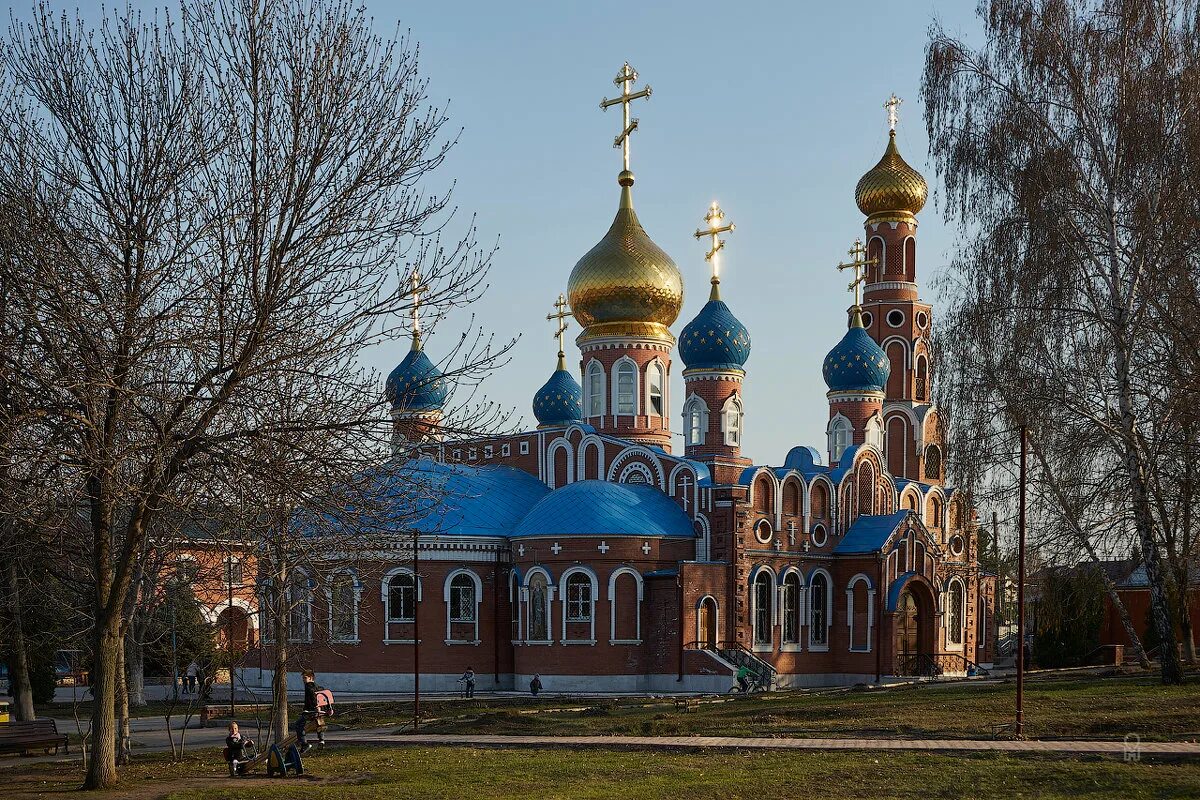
<point>819,647</point>
<point>383,594</point>
<point>850,587</point>
<point>446,599</point>
<point>731,421</point>
<point>695,420</point>
<point>797,645</point>
<point>767,576</point>
<point>625,375</point>
<point>527,598</point>
<point>594,387</point>
<point>875,432</point>
<point>656,384</point>
<point>949,601</point>
<point>716,617</point>
<point>593,596</point>
<point>305,636</point>
<point>612,606</point>
<point>356,587</point>
<point>840,434</point>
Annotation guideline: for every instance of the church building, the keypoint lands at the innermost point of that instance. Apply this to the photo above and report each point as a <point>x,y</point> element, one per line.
<point>591,552</point>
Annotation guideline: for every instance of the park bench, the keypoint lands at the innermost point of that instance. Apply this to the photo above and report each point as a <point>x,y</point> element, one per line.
<point>38,734</point>
<point>209,713</point>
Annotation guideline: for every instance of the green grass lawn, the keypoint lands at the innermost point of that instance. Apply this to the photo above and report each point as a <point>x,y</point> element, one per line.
<point>479,774</point>
<point>1062,706</point>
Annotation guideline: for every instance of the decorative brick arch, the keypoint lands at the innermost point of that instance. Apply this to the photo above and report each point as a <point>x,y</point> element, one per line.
<point>641,455</point>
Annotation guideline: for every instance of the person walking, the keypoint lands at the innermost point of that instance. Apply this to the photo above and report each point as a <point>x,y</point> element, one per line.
<point>535,684</point>
<point>309,712</point>
<point>468,681</point>
<point>193,669</point>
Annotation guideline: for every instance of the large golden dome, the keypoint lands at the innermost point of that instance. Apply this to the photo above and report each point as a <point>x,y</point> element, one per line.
<point>625,285</point>
<point>891,186</point>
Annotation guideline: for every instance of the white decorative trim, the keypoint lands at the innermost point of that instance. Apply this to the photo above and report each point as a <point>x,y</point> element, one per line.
<point>478,584</point>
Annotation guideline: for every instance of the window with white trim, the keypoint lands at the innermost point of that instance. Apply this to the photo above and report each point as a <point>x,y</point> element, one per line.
<point>731,422</point>
<point>626,388</point>
<point>595,389</point>
<point>656,381</point>
<point>955,612</point>
<point>579,598</point>
<point>840,435</point>
<point>462,598</point>
<point>791,608</point>
<point>539,608</point>
<point>818,620</point>
<point>401,598</point>
<point>695,420</point>
<point>760,600</point>
<point>233,571</point>
<point>875,432</point>
<point>343,607</point>
<point>299,603</point>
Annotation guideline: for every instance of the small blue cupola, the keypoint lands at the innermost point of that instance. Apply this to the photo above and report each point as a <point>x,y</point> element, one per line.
<point>856,363</point>
<point>416,384</point>
<point>560,400</point>
<point>715,339</point>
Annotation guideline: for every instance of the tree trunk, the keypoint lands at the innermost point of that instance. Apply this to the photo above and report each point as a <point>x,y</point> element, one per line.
<point>135,660</point>
<point>122,706</point>
<point>279,707</point>
<point>106,640</point>
<point>18,673</point>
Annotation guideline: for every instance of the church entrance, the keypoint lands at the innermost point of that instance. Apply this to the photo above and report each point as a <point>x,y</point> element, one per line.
<point>707,623</point>
<point>913,633</point>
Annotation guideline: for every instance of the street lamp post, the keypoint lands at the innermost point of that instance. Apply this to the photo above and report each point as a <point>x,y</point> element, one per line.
<point>1020,728</point>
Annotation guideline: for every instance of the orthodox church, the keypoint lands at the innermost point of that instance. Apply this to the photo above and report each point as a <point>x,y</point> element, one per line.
<point>589,552</point>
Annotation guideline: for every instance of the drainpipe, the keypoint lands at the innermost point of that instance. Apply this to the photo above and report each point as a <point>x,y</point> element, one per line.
<point>679,583</point>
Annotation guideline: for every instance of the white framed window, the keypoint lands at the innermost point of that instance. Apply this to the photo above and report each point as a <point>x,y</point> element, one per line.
<point>462,594</point>
<point>695,420</point>
<point>524,448</point>
<point>487,451</point>
<point>595,389</point>
<point>472,454</point>
<point>579,592</point>
<point>299,605</point>
<point>763,532</point>
<point>343,595</point>
<point>626,388</point>
<point>875,432</point>
<point>731,422</point>
<point>820,612</point>
<point>956,599</point>
<point>791,609</point>
<point>656,383</point>
<point>233,571</point>
<point>462,599</point>
<point>760,606</point>
<point>505,450</point>
<point>819,535</point>
<point>401,597</point>
<point>539,608</point>
<point>840,434</point>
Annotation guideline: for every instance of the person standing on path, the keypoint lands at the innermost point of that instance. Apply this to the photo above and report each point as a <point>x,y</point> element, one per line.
<point>468,680</point>
<point>535,684</point>
<point>193,669</point>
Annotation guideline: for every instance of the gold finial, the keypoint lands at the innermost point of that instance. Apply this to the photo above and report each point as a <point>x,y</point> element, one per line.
<point>416,289</point>
<point>858,262</point>
<point>891,105</point>
<point>625,79</point>
<point>561,314</point>
<point>715,229</point>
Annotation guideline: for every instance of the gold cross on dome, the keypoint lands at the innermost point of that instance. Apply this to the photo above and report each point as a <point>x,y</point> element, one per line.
<point>859,262</point>
<point>625,79</point>
<point>416,289</point>
<point>714,217</point>
<point>891,105</point>
<point>561,314</point>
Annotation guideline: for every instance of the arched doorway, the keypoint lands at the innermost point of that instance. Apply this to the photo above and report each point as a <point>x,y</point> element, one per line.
<point>913,632</point>
<point>706,623</point>
<point>233,630</point>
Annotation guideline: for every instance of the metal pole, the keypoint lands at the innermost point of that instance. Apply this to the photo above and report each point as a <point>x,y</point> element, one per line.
<point>229,628</point>
<point>416,636</point>
<point>174,657</point>
<point>1021,592</point>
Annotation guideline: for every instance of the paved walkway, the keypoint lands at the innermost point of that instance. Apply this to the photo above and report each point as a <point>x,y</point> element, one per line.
<point>380,737</point>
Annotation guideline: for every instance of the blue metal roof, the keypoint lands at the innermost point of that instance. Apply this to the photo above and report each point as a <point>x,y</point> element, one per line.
<point>870,534</point>
<point>599,508</point>
<point>416,384</point>
<point>715,339</point>
<point>458,500</point>
<point>856,363</point>
<point>559,401</point>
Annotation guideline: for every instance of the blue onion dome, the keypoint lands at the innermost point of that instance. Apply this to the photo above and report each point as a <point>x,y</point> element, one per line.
<point>416,384</point>
<point>560,400</point>
<point>856,363</point>
<point>715,339</point>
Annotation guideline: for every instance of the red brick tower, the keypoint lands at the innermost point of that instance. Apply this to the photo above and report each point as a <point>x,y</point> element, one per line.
<point>625,293</point>
<point>891,195</point>
<point>714,348</point>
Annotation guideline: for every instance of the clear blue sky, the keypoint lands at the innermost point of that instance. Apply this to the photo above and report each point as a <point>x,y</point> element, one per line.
<point>774,109</point>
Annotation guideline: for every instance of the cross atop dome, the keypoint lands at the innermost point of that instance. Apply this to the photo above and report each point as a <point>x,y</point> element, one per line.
<point>891,105</point>
<point>858,262</point>
<point>562,312</point>
<point>416,289</point>
<point>625,79</point>
<point>715,229</point>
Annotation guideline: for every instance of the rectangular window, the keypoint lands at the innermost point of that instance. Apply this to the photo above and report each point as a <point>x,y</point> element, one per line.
<point>473,454</point>
<point>462,603</point>
<point>656,390</point>
<point>524,448</point>
<point>487,451</point>
<point>506,450</point>
<point>762,612</point>
<point>233,571</point>
<point>458,455</point>
<point>595,393</point>
<point>579,602</point>
<point>402,600</point>
<point>625,390</point>
<point>791,613</point>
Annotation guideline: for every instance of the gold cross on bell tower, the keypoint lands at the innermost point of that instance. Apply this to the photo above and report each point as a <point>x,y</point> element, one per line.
<point>714,229</point>
<point>891,105</point>
<point>416,289</point>
<point>561,314</point>
<point>625,79</point>
<point>858,262</point>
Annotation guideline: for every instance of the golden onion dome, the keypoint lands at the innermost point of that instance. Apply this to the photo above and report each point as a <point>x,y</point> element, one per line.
<point>891,185</point>
<point>626,285</point>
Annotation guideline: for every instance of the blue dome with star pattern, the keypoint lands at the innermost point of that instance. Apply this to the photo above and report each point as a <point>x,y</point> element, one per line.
<point>559,401</point>
<point>856,364</point>
<point>416,384</point>
<point>715,339</point>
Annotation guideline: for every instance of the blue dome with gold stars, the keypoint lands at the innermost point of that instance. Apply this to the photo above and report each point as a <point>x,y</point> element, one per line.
<point>559,401</point>
<point>715,339</point>
<point>856,363</point>
<point>416,384</point>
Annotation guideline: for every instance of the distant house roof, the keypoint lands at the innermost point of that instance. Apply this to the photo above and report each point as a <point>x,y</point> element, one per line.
<point>870,534</point>
<point>601,508</point>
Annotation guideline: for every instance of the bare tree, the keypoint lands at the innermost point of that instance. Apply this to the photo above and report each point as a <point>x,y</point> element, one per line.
<point>1057,143</point>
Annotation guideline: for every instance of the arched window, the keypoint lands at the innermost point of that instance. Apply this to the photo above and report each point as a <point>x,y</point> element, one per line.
<point>922,385</point>
<point>840,435</point>
<point>626,388</point>
<point>625,606</point>
<point>791,609</point>
<point>299,603</point>
<point>462,595</point>
<point>791,497</point>
<point>875,432</point>
<point>656,381</point>
<point>343,607</point>
<point>818,620</point>
<point>820,501</point>
<point>539,608</point>
<point>595,389</point>
<point>695,420</point>
<point>401,598</point>
<point>935,512</point>
<point>760,602</point>
<point>579,598</point>
<point>933,463</point>
<point>731,422</point>
<point>763,500</point>
<point>955,612</point>
<point>462,598</point>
